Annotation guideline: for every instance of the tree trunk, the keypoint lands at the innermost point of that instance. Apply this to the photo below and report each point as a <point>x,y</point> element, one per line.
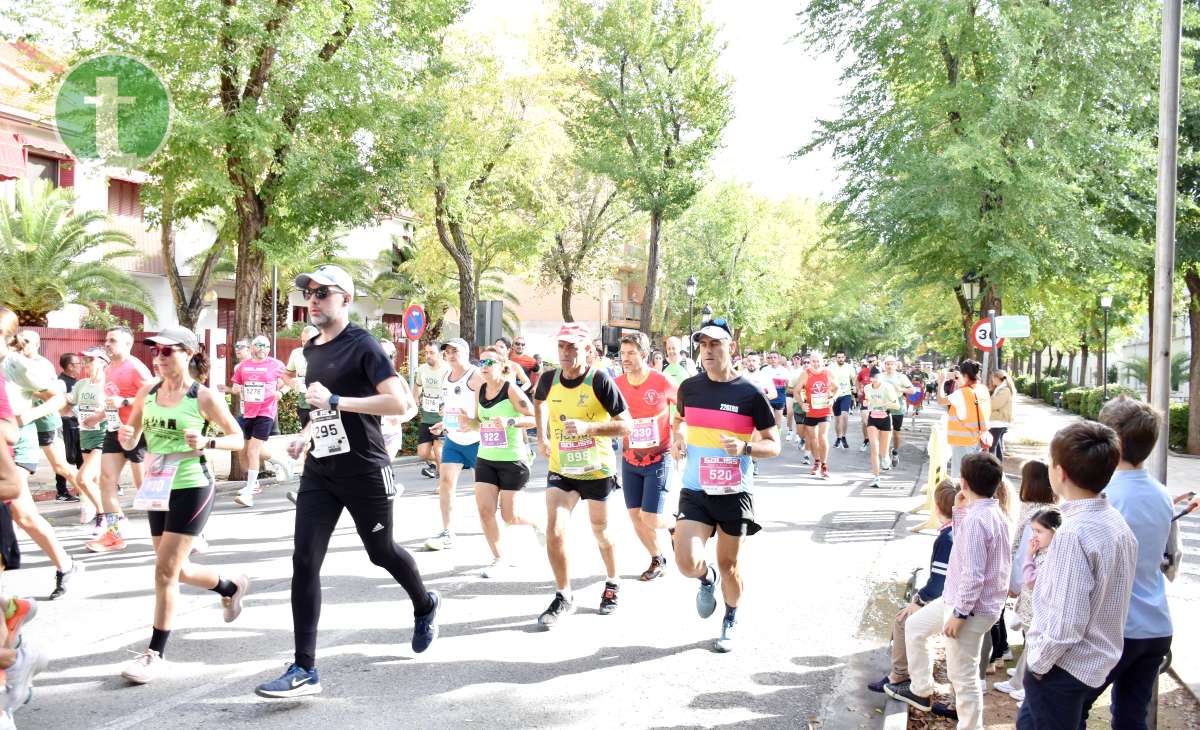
<point>568,291</point>
<point>1071,369</point>
<point>651,272</point>
<point>967,319</point>
<point>251,261</point>
<point>1083,363</point>
<point>1192,278</point>
<point>1037,366</point>
<point>451,237</point>
<point>187,305</point>
<point>1101,376</point>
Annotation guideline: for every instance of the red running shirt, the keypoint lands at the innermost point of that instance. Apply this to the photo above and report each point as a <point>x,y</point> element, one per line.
<point>816,392</point>
<point>650,407</point>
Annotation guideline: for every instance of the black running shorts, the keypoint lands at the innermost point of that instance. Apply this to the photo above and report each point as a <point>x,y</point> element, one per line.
<point>733,513</point>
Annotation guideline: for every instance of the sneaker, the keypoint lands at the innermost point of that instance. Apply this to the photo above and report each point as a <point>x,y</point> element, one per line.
<point>895,460</point>
<point>802,443</point>
<point>61,580</point>
<point>6,721</point>
<point>902,692</point>
<point>806,460</point>
<point>286,467</point>
<point>26,611</point>
<point>864,446</point>
<point>1018,695</point>
<point>87,511</point>
<point>258,486</point>
<point>942,709</point>
<point>877,686</point>
<point>108,542</point>
<point>495,569</point>
<point>444,540</point>
<point>755,470</point>
<point>608,599</point>
<point>295,682</point>
<point>724,642</point>
<point>1011,672</point>
<point>244,498</point>
<point>816,469</point>
<point>875,482</point>
<point>19,677</point>
<point>824,470</point>
<point>1005,687</point>
<point>233,604</point>
<point>429,471</point>
<point>66,498</point>
<point>706,597</point>
<point>1008,655</point>
<point>292,496</point>
<point>425,628</point>
<point>885,466</point>
<point>791,436</point>
<point>657,567</point>
<point>98,528</point>
<point>199,545</point>
<point>145,668</point>
<point>558,608</point>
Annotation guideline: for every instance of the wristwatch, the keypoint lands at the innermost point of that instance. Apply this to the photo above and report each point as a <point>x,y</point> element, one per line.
<point>333,402</point>
<point>749,451</point>
<point>961,615</point>
<point>125,402</point>
<point>212,443</point>
<point>511,422</point>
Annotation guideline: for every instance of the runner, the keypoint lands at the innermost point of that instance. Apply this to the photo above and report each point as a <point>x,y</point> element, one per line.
<point>794,369</point>
<point>259,381</point>
<point>517,373</point>
<point>128,374</point>
<point>502,469</point>
<point>864,379</point>
<point>723,422</point>
<point>816,391</point>
<point>878,396</point>
<point>844,377</point>
<point>179,489</point>
<point>579,412</point>
<point>903,386</point>
<point>646,468</point>
<point>531,366</point>
<point>461,447</point>
<point>779,377</point>
<point>752,371</point>
<point>89,395</point>
<point>802,441</point>
<point>430,377</point>
<point>69,366</point>
<point>49,425</point>
<point>350,385</point>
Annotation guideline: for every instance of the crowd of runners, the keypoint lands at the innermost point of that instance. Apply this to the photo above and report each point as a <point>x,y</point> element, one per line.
<point>647,423</point>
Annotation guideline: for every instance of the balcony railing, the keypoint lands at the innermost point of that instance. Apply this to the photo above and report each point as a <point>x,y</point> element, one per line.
<point>627,311</point>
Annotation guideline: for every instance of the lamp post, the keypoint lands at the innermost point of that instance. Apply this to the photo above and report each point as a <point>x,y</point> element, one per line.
<point>705,315</point>
<point>970,289</point>
<point>691,292</point>
<point>1105,304</point>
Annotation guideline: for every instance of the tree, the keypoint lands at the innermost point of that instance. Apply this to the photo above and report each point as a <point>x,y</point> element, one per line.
<point>1188,213</point>
<point>999,139</point>
<point>51,256</point>
<point>594,223</point>
<point>291,93</point>
<point>651,105</point>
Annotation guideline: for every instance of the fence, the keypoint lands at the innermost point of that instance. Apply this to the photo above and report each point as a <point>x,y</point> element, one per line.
<point>56,341</point>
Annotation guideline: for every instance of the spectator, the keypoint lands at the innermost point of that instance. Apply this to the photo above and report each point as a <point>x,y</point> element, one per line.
<point>1144,503</point>
<point>975,590</point>
<point>1002,410</point>
<point>968,412</point>
<point>924,623</point>
<point>71,364</point>
<point>1083,589</point>
<point>1044,523</point>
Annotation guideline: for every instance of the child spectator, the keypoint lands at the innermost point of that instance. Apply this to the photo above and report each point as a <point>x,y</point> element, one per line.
<point>1043,524</point>
<point>1146,506</point>
<point>975,590</point>
<point>1083,588</point>
<point>925,623</point>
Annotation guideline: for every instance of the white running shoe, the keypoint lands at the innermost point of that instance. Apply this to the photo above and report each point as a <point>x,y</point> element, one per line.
<point>540,532</point>
<point>863,447</point>
<point>444,540</point>
<point>87,511</point>
<point>233,604</point>
<point>885,466</point>
<point>1011,672</point>
<point>28,663</point>
<point>199,545</point>
<point>145,668</point>
<point>284,469</point>
<point>245,498</point>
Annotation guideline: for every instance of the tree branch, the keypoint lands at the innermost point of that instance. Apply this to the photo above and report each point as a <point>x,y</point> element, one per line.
<point>264,57</point>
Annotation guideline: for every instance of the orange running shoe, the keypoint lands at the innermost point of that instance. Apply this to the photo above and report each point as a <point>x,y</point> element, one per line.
<point>26,610</point>
<point>108,542</point>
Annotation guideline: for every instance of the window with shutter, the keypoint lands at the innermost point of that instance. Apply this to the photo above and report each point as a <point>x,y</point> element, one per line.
<point>66,174</point>
<point>124,198</point>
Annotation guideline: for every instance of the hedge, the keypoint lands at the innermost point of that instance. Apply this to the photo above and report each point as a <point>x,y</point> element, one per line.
<point>1073,399</point>
<point>1178,426</point>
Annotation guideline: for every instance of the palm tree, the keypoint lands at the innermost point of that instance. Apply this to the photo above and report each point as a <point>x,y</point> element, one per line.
<point>51,256</point>
<point>1138,368</point>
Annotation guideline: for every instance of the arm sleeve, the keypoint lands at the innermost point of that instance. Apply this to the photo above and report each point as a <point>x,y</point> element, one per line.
<point>1064,579</point>
<point>608,394</point>
<point>970,584</point>
<point>938,562</point>
<point>1020,555</point>
<point>543,386</point>
<point>1029,572</point>
<point>237,376</point>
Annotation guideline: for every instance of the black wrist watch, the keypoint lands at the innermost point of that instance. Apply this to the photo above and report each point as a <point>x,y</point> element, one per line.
<point>749,451</point>
<point>125,402</point>
<point>511,422</point>
<point>212,443</point>
<point>333,402</point>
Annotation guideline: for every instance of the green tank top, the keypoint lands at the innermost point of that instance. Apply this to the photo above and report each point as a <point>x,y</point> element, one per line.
<point>164,427</point>
<point>500,445</point>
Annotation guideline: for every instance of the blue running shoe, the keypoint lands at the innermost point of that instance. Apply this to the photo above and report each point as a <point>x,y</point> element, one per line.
<point>295,682</point>
<point>706,599</point>
<point>425,629</point>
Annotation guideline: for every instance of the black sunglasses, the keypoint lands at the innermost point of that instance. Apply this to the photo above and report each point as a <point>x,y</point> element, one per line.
<point>320,292</point>
<point>165,350</point>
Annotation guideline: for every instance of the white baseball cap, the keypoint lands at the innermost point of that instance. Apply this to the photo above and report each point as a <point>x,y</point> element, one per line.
<point>327,275</point>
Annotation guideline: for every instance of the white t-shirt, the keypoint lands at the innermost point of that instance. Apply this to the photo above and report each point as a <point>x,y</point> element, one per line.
<point>762,381</point>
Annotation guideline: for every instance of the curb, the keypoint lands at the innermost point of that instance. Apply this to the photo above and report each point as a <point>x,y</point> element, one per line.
<point>895,715</point>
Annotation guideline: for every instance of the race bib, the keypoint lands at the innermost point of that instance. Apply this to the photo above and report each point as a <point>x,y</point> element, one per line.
<point>577,455</point>
<point>451,419</point>
<point>644,434</point>
<point>328,434</point>
<point>720,475</point>
<point>819,401</point>
<point>492,436</point>
<point>254,392</point>
<point>430,403</point>
<point>112,418</point>
<point>879,414</point>
<point>155,492</point>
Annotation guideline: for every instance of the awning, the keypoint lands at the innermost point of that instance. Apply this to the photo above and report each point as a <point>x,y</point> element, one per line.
<point>12,156</point>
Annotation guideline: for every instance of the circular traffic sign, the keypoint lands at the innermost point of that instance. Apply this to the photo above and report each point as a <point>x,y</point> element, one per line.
<point>414,322</point>
<point>981,335</point>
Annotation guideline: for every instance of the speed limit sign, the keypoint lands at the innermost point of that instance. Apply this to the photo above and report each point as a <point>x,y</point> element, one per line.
<point>981,334</point>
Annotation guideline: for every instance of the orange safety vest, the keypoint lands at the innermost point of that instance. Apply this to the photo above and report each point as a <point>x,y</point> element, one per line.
<point>966,431</point>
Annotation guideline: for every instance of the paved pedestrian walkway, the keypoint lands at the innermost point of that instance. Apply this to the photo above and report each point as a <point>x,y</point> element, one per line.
<point>1034,423</point>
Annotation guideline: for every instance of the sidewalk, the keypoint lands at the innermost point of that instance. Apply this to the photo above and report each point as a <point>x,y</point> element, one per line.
<point>1034,423</point>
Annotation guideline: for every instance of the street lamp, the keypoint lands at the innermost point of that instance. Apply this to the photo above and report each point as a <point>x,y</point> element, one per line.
<point>970,287</point>
<point>1105,304</point>
<point>691,292</point>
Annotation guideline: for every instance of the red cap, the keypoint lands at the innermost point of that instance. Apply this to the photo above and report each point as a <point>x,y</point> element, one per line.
<point>573,333</point>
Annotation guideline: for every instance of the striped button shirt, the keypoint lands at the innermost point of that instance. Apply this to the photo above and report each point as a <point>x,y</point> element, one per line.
<point>1082,593</point>
<point>980,562</point>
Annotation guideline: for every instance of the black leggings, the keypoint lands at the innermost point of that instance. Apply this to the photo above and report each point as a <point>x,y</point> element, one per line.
<point>318,506</point>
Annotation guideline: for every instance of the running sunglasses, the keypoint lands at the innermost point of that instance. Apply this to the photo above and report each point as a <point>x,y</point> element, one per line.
<point>518,344</point>
<point>487,362</point>
<point>321,293</point>
<point>165,350</point>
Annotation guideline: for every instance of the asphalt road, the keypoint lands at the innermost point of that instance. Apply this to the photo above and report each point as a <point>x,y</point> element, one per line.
<point>819,578</point>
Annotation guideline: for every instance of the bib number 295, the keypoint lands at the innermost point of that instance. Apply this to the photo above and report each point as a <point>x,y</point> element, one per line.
<point>328,434</point>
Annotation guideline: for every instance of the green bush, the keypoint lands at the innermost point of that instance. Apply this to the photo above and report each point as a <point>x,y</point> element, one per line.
<point>1023,383</point>
<point>1093,399</point>
<point>1073,399</point>
<point>289,422</point>
<point>1178,426</point>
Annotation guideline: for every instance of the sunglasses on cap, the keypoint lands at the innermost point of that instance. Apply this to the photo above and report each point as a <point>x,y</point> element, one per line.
<point>321,293</point>
<point>165,350</point>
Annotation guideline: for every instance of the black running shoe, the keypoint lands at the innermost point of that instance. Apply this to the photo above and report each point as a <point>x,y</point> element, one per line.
<point>559,607</point>
<point>429,470</point>
<point>902,691</point>
<point>942,709</point>
<point>608,601</point>
<point>878,686</point>
<point>66,498</point>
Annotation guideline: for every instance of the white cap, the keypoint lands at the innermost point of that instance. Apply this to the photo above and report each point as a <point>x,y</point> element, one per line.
<point>327,275</point>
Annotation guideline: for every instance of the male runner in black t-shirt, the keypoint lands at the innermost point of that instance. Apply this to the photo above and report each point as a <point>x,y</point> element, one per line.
<point>351,383</point>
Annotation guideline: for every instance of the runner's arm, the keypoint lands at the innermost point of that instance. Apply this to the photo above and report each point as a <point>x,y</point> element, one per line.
<point>391,398</point>
<point>215,411</point>
<point>521,403</point>
<point>130,433</point>
<point>10,478</point>
<point>52,403</point>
